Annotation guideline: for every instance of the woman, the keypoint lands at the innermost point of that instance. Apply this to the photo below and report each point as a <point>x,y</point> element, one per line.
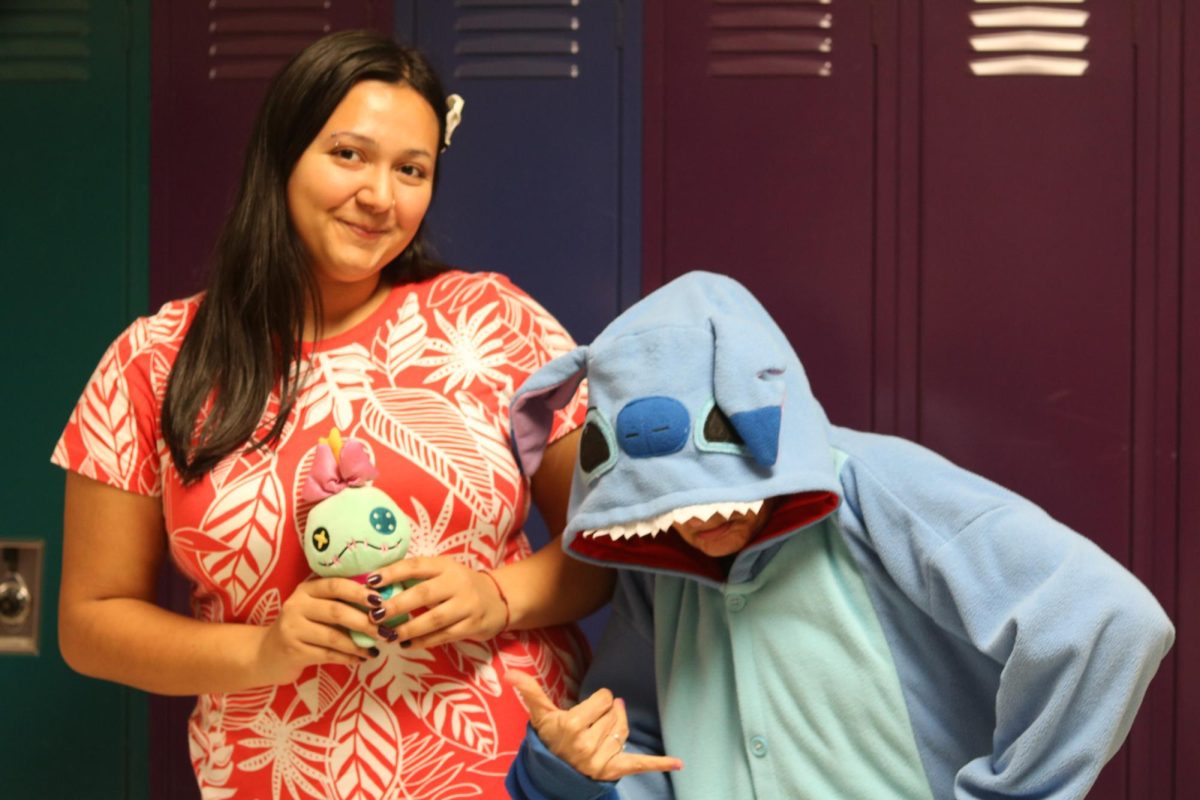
<point>201,423</point>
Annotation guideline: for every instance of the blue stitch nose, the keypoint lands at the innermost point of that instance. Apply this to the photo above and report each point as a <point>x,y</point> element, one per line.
<point>653,426</point>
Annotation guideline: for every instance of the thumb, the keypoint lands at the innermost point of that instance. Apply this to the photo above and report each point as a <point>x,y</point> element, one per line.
<point>536,700</point>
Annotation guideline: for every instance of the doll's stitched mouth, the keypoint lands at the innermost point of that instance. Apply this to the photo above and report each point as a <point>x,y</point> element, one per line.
<point>652,526</point>
<point>355,544</point>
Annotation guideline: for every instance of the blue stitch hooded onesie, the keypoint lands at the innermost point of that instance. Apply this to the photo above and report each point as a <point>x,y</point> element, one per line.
<point>901,628</point>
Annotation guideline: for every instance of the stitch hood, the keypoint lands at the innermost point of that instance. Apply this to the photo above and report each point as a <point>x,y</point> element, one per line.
<point>697,405</point>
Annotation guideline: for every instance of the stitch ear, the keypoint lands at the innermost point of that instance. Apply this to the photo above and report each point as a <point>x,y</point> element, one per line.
<point>531,413</point>
<point>748,383</point>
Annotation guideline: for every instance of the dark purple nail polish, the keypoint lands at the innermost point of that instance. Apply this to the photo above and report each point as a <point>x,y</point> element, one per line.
<point>406,643</point>
<point>378,614</point>
<point>374,599</point>
<point>374,651</point>
<point>374,580</point>
<point>388,633</point>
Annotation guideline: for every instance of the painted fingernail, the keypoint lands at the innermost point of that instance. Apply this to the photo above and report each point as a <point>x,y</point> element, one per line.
<point>374,599</point>
<point>374,580</point>
<point>388,633</point>
<point>406,643</point>
<point>378,614</point>
<point>678,765</point>
<point>374,651</point>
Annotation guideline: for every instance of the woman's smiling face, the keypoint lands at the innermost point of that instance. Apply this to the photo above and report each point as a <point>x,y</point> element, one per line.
<point>359,192</point>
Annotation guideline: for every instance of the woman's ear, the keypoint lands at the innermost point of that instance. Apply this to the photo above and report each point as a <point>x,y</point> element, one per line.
<point>531,414</point>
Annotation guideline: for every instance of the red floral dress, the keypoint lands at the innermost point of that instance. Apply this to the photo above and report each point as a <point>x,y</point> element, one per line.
<point>425,382</point>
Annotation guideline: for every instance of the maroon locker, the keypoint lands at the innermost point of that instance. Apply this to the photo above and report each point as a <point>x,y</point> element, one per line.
<point>964,225</point>
<point>758,163</point>
<point>1187,649</point>
<point>210,64</point>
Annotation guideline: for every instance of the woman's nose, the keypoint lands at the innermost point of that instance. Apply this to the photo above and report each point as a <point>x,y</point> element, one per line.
<point>377,193</point>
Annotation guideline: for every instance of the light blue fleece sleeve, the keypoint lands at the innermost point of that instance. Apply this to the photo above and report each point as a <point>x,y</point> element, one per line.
<point>1074,637</point>
<point>624,664</point>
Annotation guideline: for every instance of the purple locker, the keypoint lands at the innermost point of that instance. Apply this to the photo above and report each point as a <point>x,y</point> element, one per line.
<point>1186,772</point>
<point>963,220</point>
<point>759,152</point>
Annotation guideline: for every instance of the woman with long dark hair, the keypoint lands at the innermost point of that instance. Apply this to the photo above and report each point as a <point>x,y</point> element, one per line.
<point>201,423</point>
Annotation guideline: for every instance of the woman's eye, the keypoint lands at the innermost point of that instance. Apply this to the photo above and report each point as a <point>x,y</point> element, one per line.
<point>346,154</point>
<point>412,171</point>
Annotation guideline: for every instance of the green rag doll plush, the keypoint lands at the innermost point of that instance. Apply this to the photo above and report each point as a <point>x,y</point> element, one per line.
<point>354,529</point>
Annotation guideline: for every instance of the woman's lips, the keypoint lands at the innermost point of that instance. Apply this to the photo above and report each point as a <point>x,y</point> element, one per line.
<point>364,231</point>
<point>714,533</point>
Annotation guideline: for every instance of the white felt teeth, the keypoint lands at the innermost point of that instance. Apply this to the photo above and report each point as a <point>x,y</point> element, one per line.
<point>653,525</point>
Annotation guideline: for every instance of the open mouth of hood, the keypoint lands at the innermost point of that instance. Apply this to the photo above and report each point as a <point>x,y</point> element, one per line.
<point>652,526</point>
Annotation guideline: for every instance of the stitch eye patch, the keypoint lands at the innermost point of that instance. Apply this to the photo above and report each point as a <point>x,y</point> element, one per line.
<point>597,450</point>
<point>717,434</point>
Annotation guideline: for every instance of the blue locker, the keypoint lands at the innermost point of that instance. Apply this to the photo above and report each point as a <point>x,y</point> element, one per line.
<point>542,182</point>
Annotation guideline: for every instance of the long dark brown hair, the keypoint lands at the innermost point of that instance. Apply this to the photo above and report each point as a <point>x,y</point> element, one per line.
<point>247,331</point>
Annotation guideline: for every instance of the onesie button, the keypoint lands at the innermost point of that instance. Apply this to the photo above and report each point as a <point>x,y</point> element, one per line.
<point>735,602</point>
<point>758,746</point>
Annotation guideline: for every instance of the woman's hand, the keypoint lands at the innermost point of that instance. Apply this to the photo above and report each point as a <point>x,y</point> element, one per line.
<point>459,602</point>
<point>590,736</point>
<point>311,629</point>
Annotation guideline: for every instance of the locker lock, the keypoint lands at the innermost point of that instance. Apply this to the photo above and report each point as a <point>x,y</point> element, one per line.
<point>15,600</point>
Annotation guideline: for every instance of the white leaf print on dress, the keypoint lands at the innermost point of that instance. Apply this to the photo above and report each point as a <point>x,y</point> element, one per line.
<point>476,546</point>
<point>492,437</point>
<point>212,760</point>
<point>296,756</point>
<point>540,658</point>
<point>321,692</point>
<point>238,543</point>
<point>401,340</point>
<point>427,775</point>
<point>366,758</point>
<point>107,423</point>
<point>475,659</point>
<point>427,429</point>
<point>337,379</point>
<point>454,710</point>
<point>161,328</point>
<point>467,353</point>
<point>542,337</point>
<point>399,676</point>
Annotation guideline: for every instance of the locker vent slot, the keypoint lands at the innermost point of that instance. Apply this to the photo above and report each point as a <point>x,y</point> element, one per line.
<point>516,39</point>
<point>780,39</point>
<point>1027,39</point>
<point>253,39</point>
<point>45,40</point>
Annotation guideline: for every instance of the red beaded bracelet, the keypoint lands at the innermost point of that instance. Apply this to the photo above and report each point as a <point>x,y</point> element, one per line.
<point>503,598</point>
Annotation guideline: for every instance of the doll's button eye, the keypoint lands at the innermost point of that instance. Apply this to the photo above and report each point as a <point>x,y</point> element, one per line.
<point>383,520</point>
<point>320,540</point>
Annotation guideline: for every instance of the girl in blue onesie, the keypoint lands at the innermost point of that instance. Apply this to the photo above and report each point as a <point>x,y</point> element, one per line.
<point>806,611</point>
